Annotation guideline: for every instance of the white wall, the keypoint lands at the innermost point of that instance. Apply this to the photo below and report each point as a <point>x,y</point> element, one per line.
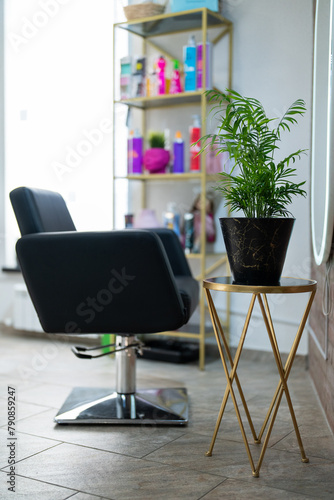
<point>273,49</point>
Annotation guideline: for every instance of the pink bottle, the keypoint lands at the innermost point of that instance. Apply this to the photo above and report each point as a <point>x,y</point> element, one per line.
<point>195,134</point>
<point>175,85</point>
<point>161,64</point>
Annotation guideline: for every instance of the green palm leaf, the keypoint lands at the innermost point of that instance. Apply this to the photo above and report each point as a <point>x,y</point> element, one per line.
<point>262,188</point>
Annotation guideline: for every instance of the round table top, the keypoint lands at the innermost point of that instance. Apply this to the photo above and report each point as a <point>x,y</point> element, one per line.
<point>287,285</point>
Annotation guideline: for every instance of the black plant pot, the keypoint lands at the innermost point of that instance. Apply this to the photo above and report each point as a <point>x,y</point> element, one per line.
<point>256,248</point>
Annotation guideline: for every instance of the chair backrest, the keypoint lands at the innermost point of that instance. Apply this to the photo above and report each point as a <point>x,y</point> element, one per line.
<point>39,211</point>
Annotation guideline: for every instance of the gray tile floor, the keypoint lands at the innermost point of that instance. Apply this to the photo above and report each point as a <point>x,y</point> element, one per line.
<point>150,462</point>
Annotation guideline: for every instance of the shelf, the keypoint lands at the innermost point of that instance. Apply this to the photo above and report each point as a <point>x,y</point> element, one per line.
<point>163,100</point>
<point>194,255</point>
<point>173,23</point>
<point>167,177</point>
<point>164,177</point>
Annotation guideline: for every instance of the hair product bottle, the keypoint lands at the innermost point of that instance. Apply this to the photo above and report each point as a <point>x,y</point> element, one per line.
<point>172,218</point>
<point>188,232</point>
<point>199,65</point>
<point>175,84</point>
<point>161,65</point>
<point>189,61</point>
<point>178,150</point>
<point>195,134</point>
<point>135,153</point>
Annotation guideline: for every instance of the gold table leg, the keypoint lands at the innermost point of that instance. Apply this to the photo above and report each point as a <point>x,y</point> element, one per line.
<point>284,373</point>
<point>232,375</point>
<point>221,341</point>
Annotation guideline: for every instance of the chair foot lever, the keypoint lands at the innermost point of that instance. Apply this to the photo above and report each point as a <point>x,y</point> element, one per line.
<point>80,351</point>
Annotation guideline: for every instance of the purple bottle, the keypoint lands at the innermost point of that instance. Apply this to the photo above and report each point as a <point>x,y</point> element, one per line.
<point>178,150</point>
<point>200,65</point>
<point>135,154</point>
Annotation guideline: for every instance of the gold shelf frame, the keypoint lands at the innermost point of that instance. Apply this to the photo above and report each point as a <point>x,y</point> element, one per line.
<point>201,19</point>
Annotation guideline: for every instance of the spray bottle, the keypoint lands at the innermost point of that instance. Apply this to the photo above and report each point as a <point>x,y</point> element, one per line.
<point>189,60</point>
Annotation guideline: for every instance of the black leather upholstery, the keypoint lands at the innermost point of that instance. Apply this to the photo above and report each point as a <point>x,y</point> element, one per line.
<point>124,282</point>
<point>38,211</point>
<point>177,259</point>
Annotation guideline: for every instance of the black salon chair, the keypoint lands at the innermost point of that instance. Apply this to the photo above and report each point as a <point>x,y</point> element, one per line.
<point>125,282</point>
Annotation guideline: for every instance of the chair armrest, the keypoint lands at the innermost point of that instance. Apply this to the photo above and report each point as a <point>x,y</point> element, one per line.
<point>174,250</point>
<point>189,290</point>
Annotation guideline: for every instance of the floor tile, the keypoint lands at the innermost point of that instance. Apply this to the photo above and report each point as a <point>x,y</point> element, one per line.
<point>25,446</point>
<point>30,489</point>
<point>189,452</point>
<point>19,384</point>
<point>115,476</point>
<point>22,411</point>
<point>286,471</point>
<point>232,489</point>
<point>136,441</point>
<point>315,444</point>
<point>50,395</point>
<point>86,496</point>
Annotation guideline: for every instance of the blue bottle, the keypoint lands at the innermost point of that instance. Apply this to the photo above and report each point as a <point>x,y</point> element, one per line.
<point>189,61</point>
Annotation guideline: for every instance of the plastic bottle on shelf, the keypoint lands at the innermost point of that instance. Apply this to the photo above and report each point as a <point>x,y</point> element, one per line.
<point>188,232</point>
<point>128,220</point>
<point>189,61</point>
<point>175,84</point>
<point>161,65</point>
<point>178,150</point>
<point>172,218</point>
<point>199,66</point>
<point>151,81</point>
<point>195,134</point>
<point>135,153</point>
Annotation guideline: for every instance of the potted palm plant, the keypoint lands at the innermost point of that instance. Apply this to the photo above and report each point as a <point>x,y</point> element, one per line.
<point>255,183</point>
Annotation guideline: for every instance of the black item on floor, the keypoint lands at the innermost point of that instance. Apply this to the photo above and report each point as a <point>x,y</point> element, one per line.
<point>171,351</point>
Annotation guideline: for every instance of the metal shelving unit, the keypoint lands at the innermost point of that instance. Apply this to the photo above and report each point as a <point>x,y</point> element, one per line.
<point>149,30</point>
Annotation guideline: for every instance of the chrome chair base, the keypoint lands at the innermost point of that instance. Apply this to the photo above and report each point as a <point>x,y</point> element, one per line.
<point>87,405</point>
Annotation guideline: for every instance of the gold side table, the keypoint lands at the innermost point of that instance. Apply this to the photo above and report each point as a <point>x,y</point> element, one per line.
<point>287,286</point>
